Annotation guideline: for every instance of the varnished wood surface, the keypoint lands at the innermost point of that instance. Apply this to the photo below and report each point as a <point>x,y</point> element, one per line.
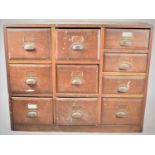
<point>84,24</point>
<point>139,55</point>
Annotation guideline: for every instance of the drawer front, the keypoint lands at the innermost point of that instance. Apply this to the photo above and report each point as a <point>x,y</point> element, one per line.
<point>122,85</point>
<point>77,78</point>
<point>127,38</point>
<point>76,111</point>
<point>125,62</point>
<point>30,79</point>
<point>76,44</point>
<point>28,43</point>
<point>32,111</point>
<point>121,111</point>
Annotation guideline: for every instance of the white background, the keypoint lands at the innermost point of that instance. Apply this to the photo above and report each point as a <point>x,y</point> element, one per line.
<point>70,144</point>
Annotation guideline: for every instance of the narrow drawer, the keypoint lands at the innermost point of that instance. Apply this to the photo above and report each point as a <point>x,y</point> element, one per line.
<point>125,62</point>
<point>76,111</point>
<point>77,44</point>
<point>29,43</point>
<point>117,111</point>
<point>30,79</point>
<point>38,111</point>
<point>127,38</point>
<point>123,85</point>
<point>77,79</point>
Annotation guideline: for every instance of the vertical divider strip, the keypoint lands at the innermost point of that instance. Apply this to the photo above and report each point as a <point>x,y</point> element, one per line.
<point>53,37</point>
<point>100,74</point>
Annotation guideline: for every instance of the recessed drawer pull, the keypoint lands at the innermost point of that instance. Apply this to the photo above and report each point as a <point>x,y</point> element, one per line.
<point>29,46</point>
<point>32,106</point>
<point>121,114</point>
<point>125,42</point>
<point>77,47</point>
<point>32,114</point>
<point>31,81</point>
<point>76,115</point>
<point>76,82</point>
<point>30,91</point>
<point>124,66</point>
<point>124,88</point>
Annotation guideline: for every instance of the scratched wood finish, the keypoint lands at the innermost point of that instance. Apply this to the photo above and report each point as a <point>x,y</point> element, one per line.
<point>132,109</point>
<point>20,73</point>
<point>18,37</point>
<point>44,111</point>
<point>135,84</point>
<point>88,39</point>
<point>87,74</point>
<point>135,62</point>
<point>87,108</point>
<point>103,51</point>
<point>139,39</point>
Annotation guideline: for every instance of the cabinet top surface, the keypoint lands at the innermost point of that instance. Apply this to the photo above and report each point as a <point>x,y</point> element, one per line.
<point>83,24</point>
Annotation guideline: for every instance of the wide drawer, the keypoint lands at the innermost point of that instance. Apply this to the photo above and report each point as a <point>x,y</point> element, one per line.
<point>29,43</point>
<point>125,62</point>
<point>28,79</point>
<point>77,44</point>
<point>122,111</point>
<point>123,85</point>
<point>37,111</point>
<point>77,111</point>
<point>127,38</point>
<point>77,79</point>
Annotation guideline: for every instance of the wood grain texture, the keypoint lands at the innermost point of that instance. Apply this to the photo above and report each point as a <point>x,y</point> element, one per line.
<point>138,39</point>
<point>21,37</point>
<point>86,74</point>
<point>87,39</point>
<point>99,65</point>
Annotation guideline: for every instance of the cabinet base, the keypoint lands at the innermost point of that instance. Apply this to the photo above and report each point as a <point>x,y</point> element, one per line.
<point>103,128</point>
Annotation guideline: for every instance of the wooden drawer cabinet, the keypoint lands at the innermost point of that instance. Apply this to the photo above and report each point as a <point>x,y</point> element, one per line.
<point>116,62</point>
<point>32,110</point>
<point>121,111</point>
<point>29,43</point>
<point>127,38</point>
<point>76,111</point>
<point>77,44</point>
<point>78,77</point>
<point>30,80</point>
<point>120,85</point>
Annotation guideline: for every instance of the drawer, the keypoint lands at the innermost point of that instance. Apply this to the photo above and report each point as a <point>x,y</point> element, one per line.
<point>77,79</point>
<point>77,44</point>
<point>123,85</point>
<point>125,62</point>
<point>29,43</point>
<point>76,111</point>
<point>127,38</point>
<point>30,79</point>
<point>38,111</point>
<point>121,111</point>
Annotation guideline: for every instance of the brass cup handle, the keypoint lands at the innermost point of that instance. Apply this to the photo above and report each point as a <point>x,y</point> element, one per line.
<point>77,47</point>
<point>29,90</point>
<point>76,82</point>
<point>121,114</point>
<point>125,42</point>
<point>124,66</point>
<point>124,88</point>
<point>32,114</point>
<point>31,81</point>
<point>29,46</point>
<point>76,115</point>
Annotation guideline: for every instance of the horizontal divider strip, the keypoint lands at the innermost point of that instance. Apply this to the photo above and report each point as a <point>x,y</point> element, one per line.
<point>123,73</point>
